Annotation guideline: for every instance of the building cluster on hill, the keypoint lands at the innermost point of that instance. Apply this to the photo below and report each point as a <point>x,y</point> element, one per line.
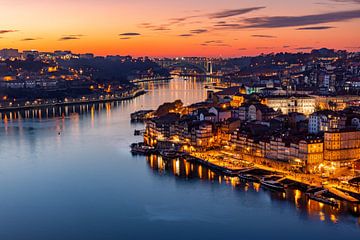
<point>29,76</point>
<point>313,130</point>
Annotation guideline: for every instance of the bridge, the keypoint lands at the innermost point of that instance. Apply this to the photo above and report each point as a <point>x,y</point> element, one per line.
<point>202,66</point>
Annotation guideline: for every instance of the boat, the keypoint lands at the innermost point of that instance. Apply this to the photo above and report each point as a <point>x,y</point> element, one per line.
<point>248,177</point>
<point>272,183</point>
<point>322,199</point>
<point>172,154</point>
<point>230,172</point>
<point>141,148</point>
<point>138,132</point>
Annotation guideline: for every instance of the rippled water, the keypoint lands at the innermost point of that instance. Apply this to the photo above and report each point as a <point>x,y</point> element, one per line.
<point>85,184</point>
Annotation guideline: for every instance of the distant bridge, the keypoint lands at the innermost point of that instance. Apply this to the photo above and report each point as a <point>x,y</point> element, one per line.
<point>202,65</point>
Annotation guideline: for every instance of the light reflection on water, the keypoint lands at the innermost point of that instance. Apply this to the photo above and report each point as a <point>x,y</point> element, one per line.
<point>84,183</point>
<point>313,209</point>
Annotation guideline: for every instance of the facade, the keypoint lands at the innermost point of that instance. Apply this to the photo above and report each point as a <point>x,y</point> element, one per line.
<point>311,153</point>
<point>220,113</point>
<point>335,103</point>
<point>327,120</point>
<point>342,147</point>
<point>287,104</point>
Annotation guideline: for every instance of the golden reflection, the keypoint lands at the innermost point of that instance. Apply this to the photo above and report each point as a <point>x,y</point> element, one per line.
<point>200,171</point>
<point>92,114</point>
<point>151,160</point>
<point>233,181</point>
<point>187,168</point>
<point>173,164</point>
<point>256,186</point>
<point>177,167</point>
<point>322,216</point>
<point>108,110</point>
<point>333,218</point>
<point>161,164</point>
<point>297,197</point>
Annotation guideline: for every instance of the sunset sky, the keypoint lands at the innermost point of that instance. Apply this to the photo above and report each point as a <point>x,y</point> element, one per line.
<point>179,28</point>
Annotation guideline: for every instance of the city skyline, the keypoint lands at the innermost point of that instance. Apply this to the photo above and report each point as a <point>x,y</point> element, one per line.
<point>227,29</point>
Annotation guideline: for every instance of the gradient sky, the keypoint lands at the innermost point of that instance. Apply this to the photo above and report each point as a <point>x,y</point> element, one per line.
<point>179,28</point>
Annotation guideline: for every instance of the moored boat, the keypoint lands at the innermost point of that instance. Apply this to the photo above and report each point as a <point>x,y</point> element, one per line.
<point>248,177</point>
<point>141,148</point>
<point>322,199</point>
<point>272,183</point>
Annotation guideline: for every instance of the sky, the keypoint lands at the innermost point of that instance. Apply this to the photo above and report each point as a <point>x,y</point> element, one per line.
<point>214,28</point>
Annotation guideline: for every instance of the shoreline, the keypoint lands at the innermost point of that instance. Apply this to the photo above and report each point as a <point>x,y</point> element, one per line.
<point>59,104</point>
<point>305,179</point>
<point>232,169</point>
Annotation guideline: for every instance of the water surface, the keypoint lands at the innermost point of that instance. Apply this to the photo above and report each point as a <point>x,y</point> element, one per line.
<point>85,184</point>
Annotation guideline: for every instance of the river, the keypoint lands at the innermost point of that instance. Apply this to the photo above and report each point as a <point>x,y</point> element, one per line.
<point>68,174</point>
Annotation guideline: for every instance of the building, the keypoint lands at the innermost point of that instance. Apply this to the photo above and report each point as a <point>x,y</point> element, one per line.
<point>9,53</point>
<point>296,103</point>
<point>326,120</point>
<point>221,114</point>
<point>311,153</point>
<point>161,128</point>
<point>335,103</point>
<point>341,147</point>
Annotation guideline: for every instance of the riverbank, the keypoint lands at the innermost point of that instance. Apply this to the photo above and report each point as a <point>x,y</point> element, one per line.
<point>129,96</point>
<point>232,166</point>
<point>151,79</point>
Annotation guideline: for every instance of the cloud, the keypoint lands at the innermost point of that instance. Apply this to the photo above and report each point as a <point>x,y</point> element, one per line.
<point>125,38</point>
<point>130,34</point>
<point>66,38</point>
<point>216,45</point>
<point>264,48</point>
<point>294,21</point>
<point>214,41</point>
<point>185,35</point>
<point>263,36</point>
<point>315,28</point>
<point>228,25</point>
<point>71,37</point>
<point>233,12</point>
<point>304,48</point>
<point>215,15</point>
<point>198,31</point>
<point>3,31</point>
<point>242,49</point>
<point>161,28</point>
<point>146,25</point>
<point>29,39</point>
<point>286,46</point>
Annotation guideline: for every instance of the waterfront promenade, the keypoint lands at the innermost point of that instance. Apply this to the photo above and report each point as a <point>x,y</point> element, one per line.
<point>76,101</point>
<point>228,161</point>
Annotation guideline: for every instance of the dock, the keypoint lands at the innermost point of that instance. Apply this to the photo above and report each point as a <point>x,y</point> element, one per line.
<point>342,195</point>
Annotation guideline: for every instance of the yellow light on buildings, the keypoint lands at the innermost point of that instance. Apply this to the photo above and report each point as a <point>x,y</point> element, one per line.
<point>8,78</point>
<point>52,69</point>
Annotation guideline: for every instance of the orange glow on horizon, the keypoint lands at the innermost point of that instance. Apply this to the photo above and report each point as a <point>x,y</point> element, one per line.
<point>167,28</point>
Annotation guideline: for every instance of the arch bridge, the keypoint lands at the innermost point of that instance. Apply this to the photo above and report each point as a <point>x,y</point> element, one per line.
<point>204,66</point>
